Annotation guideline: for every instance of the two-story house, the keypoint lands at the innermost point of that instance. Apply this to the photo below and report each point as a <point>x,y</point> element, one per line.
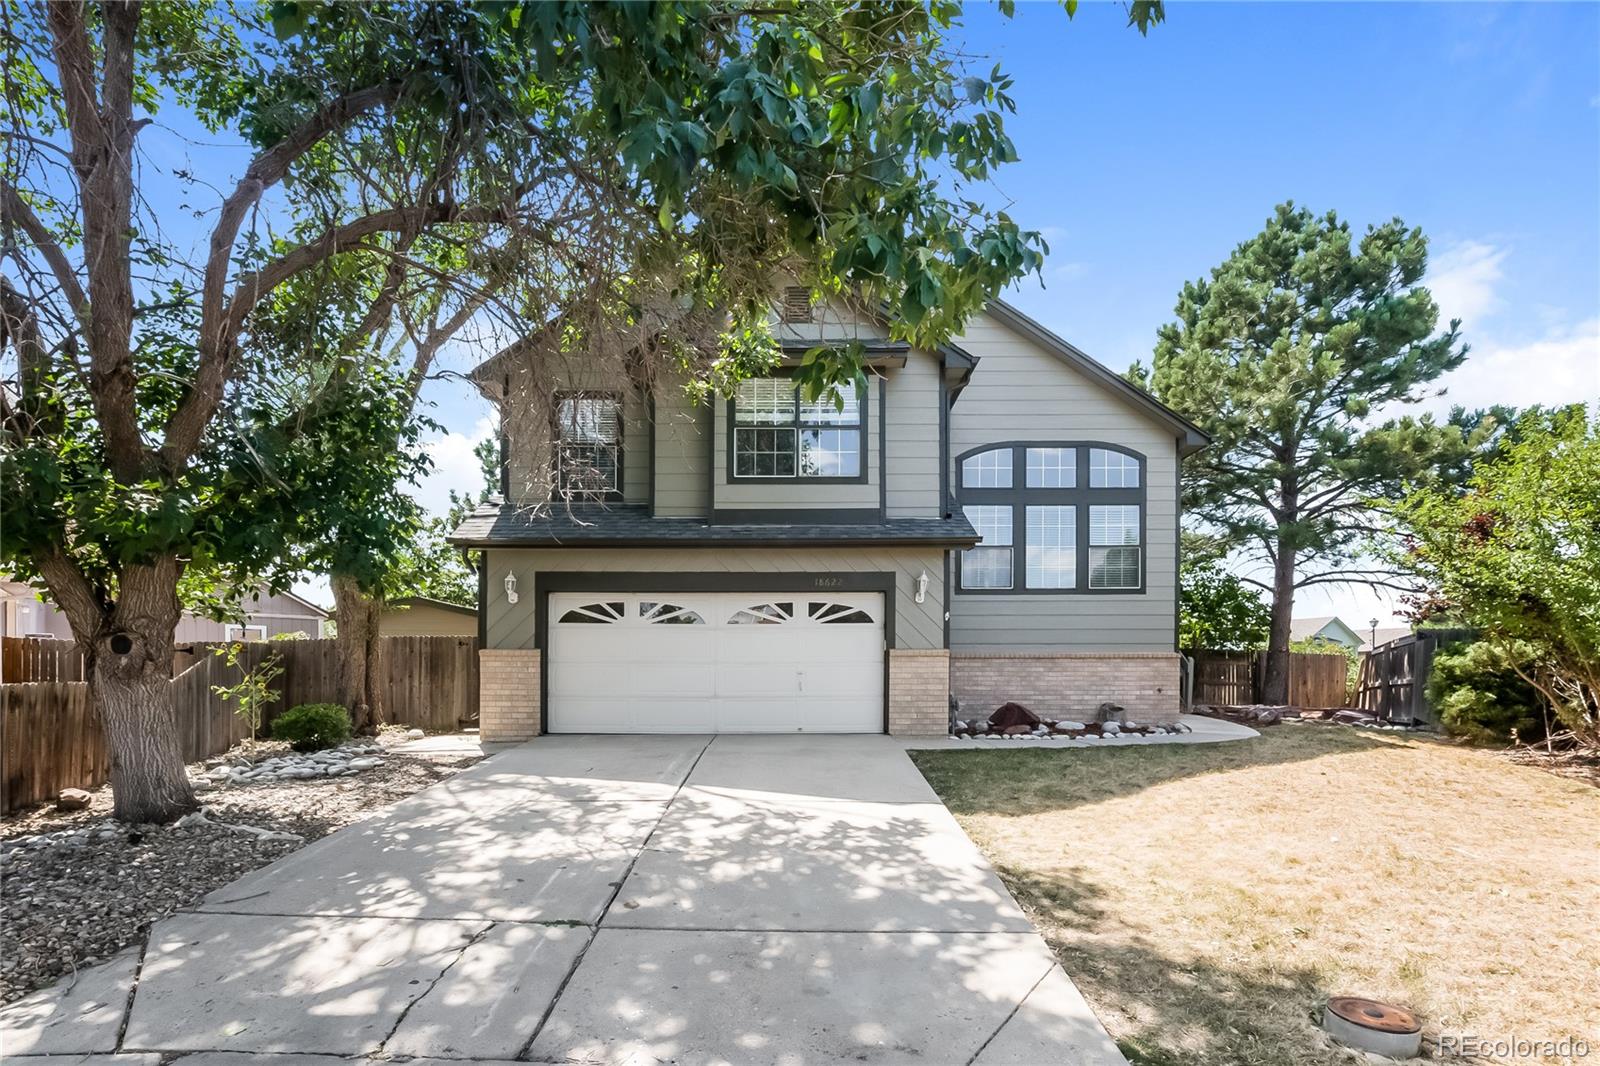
<point>995,520</point>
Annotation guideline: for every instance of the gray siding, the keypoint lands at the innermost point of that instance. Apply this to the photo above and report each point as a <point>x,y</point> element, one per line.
<point>911,462</point>
<point>798,494</point>
<point>526,419</point>
<point>1020,391</point>
<point>917,625</point>
<point>682,436</point>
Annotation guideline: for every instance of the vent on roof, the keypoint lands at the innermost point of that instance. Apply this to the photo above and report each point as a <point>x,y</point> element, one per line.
<point>797,304</point>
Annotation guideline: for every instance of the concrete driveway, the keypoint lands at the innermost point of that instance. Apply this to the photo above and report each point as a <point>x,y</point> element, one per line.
<point>734,899</point>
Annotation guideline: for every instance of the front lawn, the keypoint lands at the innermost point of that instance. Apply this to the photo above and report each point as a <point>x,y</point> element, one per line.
<point>1208,898</point>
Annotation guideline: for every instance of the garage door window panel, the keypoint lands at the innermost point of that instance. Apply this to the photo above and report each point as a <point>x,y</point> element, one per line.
<point>594,614</point>
<point>703,662</point>
<point>765,614</point>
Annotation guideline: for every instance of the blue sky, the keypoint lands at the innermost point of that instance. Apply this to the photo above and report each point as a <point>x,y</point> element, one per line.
<point>1144,160</point>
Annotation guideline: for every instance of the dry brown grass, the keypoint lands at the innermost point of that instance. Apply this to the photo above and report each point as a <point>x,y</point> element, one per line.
<point>1207,899</point>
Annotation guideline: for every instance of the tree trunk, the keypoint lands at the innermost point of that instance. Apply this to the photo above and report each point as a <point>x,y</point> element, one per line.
<point>358,652</point>
<point>127,646</point>
<point>1275,678</point>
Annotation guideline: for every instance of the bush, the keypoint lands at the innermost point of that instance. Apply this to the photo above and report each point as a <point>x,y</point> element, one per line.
<point>1478,695</point>
<point>313,726</point>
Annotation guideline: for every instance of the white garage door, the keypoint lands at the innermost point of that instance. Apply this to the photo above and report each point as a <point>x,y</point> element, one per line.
<point>715,662</point>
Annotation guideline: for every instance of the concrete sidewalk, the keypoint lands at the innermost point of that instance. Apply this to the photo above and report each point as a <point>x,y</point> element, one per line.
<point>605,899</point>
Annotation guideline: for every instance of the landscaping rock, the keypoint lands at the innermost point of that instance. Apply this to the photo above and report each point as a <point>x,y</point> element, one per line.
<point>80,885</point>
<point>1008,715</point>
<point>72,799</point>
<point>414,733</point>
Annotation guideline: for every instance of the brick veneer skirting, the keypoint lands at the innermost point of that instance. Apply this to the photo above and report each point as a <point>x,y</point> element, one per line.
<point>919,692</point>
<point>508,694</point>
<point>1068,685</point>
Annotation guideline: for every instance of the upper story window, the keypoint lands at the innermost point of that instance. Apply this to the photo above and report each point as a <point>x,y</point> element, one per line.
<point>588,453</point>
<point>1053,517</point>
<point>778,435</point>
<point>1112,470</point>
<point>987,470</point>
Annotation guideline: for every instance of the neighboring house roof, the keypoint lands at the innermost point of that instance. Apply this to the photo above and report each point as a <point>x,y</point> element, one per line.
<point>496,525</point>
<point>429,601</point>
<point>1385,635</point>
<point>320,612</point>
<point>1326,626</point>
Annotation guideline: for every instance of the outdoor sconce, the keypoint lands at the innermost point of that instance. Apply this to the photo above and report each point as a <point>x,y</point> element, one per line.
<point>511,587</point>
<point>922,586</point>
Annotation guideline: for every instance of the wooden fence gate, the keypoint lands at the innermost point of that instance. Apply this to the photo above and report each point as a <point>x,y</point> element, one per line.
<point>1393,684</point>
<point>1233,678</point>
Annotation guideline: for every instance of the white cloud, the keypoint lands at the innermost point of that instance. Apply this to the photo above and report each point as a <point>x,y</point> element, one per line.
<point>1562,366</point>
<point>454,466</point>
<point>1464,280</point>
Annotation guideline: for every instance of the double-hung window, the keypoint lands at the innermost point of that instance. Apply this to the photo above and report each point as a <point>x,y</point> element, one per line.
<point>588,434</point>
<point>1053,517</point>
<point>777,434</point>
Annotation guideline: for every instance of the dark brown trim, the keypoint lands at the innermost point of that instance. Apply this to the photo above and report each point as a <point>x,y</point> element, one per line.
<point>796,516</point>
<point>650,419</point>
<point>883,449</point>
<point>483,600</point>
<point>1019,497</point>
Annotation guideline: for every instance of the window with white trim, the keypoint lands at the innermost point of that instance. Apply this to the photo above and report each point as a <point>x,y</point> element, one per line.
<point>778,435</point>
<point>988,566</point>
<point>1114,547</point>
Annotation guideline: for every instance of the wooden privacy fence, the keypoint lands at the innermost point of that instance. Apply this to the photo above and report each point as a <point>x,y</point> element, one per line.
<point>1233,678</point>
<point>1393,683</point>
<point>24,659</point>
<point>50,737</point>
<point>427,682</point>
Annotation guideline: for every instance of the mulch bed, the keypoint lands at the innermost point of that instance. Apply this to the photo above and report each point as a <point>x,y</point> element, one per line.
<point>80,886</point>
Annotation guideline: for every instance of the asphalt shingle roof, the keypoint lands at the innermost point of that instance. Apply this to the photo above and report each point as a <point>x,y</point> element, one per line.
<point>495,525</point>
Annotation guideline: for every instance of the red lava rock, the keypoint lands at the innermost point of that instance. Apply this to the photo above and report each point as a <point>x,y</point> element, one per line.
<point>1013,714</point>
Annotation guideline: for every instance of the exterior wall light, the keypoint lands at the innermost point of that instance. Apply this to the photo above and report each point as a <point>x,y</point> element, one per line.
<point>922,586</point>
<point>511,587</point>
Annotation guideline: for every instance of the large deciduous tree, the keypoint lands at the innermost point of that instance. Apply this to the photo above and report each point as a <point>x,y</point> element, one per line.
<point>632,165</point>
<point>1289,355</point>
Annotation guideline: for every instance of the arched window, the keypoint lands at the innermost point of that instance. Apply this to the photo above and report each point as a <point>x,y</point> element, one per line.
<point>1053,517</point>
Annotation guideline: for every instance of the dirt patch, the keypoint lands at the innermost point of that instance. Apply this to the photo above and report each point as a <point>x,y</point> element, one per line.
<point>79,886</point>
<point>1208,898</point>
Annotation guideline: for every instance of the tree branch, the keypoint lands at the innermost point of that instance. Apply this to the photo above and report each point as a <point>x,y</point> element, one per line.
<point>16,208</point>
<point>266,170</point>
<point>189,421</point>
